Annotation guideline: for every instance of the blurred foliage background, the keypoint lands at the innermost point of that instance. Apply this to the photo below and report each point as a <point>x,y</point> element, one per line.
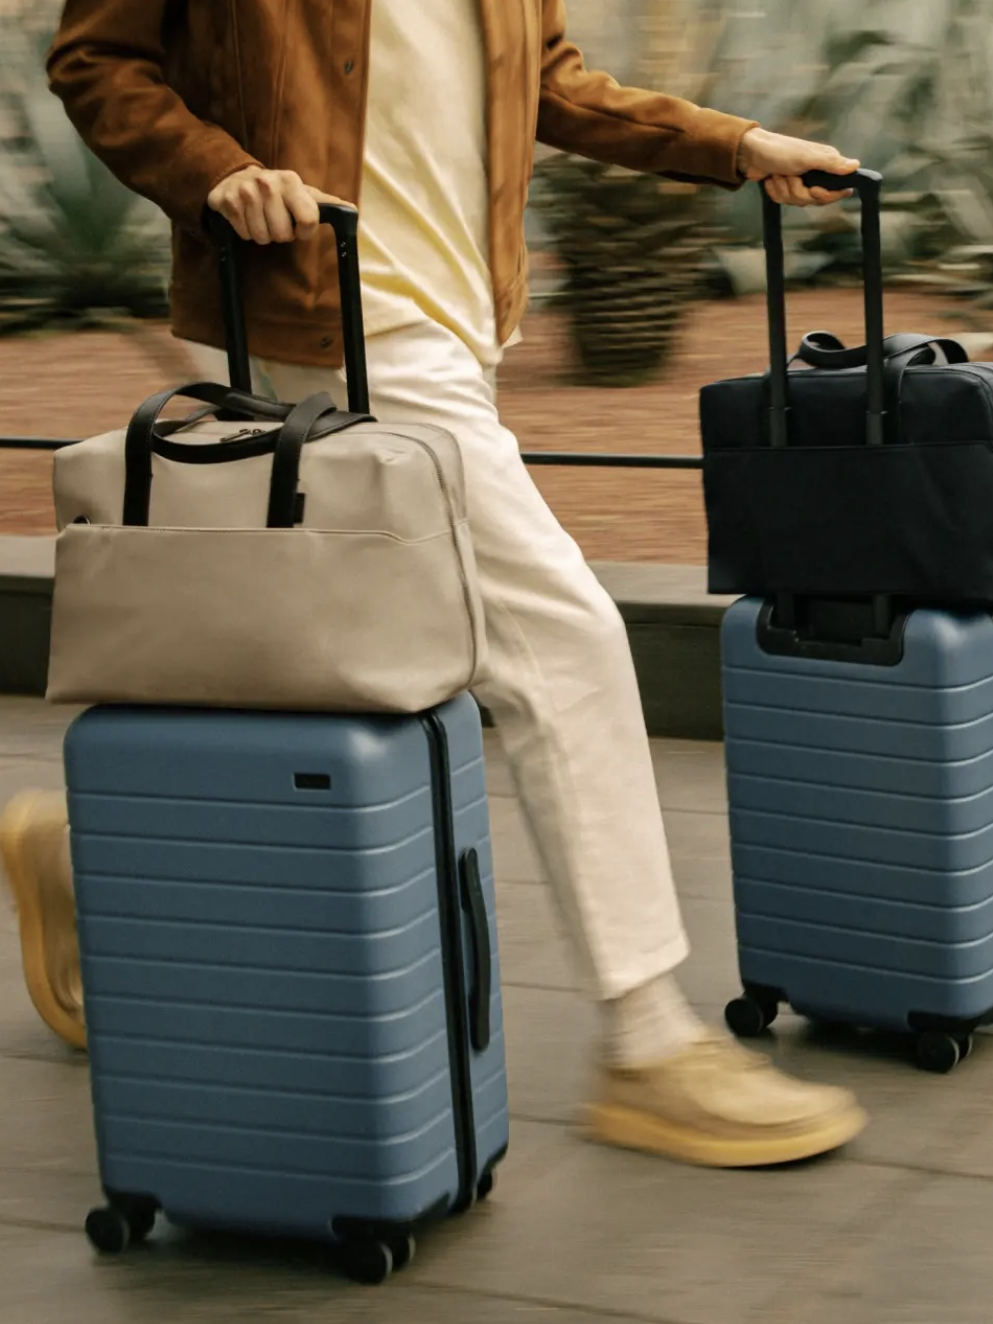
<point>905,85</point>
<point>77,249</point>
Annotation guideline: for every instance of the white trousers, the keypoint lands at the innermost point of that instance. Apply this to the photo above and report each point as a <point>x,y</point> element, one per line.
<point>561,684</point>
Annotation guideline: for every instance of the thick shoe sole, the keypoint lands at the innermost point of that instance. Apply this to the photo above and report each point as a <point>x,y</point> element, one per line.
<point>627,1128</point>
<point>27,896</point>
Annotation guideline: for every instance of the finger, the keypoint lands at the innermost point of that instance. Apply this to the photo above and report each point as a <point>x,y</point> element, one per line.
<point>301,205</point>
<point>278,220</point>
<point>776,187</point>
<point>253,211</point>
<point>330,197</point>
<point>832,162</point>
<point>228,206</point>
<point>797,193</point>
<point>824,198</point>
<point>224,202</point>
<point>836,164</point>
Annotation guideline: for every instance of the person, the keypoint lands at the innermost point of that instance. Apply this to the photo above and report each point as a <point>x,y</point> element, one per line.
<point>426,114</point>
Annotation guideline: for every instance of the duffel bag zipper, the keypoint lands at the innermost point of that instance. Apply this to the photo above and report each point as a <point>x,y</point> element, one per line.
<point>245,432</point>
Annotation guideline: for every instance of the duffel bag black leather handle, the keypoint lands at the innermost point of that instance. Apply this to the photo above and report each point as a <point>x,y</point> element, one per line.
<point>141,435</point>
<point>314,415</point>
<point>344,221</point>
<point>868,184</point>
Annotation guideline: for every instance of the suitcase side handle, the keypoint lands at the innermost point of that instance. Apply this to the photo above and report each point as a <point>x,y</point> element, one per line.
<point>344,220</point>
<point>474,906</point>
<point>868,185</point>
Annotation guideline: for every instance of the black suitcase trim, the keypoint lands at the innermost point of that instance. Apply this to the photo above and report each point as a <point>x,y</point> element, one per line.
<point>453,960</point>
<point>471,1180</point>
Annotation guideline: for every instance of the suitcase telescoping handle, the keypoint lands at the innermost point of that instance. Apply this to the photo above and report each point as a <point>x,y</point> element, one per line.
<point>868,184</point>
<point>345,223</point>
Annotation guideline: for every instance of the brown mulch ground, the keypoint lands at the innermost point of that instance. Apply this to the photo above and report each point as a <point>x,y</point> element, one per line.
<point>77,385</point>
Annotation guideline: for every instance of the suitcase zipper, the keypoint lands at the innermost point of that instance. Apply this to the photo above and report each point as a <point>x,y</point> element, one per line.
<point>453,961</point>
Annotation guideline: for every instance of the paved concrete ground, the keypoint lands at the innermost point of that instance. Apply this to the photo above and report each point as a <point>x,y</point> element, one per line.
<point>897,1231</point>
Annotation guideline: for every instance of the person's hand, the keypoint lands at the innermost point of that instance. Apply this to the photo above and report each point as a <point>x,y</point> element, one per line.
<point>781,161</point>
<point>269,206</point>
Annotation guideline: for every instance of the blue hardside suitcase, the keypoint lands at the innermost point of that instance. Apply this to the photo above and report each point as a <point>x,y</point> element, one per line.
<point>858,731</point>
<point>860,784</point>
<point>289,957</point>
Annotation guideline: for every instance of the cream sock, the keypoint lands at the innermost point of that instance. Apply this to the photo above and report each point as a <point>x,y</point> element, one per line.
<point>652,1022</point>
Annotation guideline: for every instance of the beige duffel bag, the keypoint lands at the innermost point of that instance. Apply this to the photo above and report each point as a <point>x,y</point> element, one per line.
<point>314,563</point>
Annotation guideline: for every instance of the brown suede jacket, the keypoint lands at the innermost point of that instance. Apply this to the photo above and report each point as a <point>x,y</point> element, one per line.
<point>175,95</point>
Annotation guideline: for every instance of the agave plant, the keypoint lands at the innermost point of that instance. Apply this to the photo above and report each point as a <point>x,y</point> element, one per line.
<point>76,247</point>
<point>907,88</point>
<point>632,248</point>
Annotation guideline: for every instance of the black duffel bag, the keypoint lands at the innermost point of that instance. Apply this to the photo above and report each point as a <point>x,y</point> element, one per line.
<point>848,473</point>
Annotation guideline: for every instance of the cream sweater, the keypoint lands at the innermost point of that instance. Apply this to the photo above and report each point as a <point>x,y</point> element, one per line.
<point>424,206</point>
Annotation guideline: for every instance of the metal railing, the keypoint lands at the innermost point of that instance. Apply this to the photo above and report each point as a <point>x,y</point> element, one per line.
<point>546,459</point>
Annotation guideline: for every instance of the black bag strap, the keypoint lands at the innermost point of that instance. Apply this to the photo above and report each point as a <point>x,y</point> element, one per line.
<point>145,438</point>
<point>246,446</point>
<point>821,349</point>
<point>293,436</point>
<point>141,435</point>
<point>867,183</point>
<point>241,404</point>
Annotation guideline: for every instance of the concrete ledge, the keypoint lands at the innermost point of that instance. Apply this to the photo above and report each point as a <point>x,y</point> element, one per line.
<point>674,627</point>
<point>673,624</point>
<point>27,567</point>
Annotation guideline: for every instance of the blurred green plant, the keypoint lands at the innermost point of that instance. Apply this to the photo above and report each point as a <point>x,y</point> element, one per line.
<point>907,88</point>
<point>77,249</point>
<point>631,248</point>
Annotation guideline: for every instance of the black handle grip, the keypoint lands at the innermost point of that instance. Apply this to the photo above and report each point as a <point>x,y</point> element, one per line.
<point>474,905</point>
<point>862,181</point>
<point>868,185</point>
<point>344,221</point>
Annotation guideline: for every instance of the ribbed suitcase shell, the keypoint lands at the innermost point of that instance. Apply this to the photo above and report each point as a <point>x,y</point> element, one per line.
<point>263,964</point>
<point>861,811</point>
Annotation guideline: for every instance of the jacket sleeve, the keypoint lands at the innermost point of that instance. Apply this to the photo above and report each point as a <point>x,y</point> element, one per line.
<point>590,114</point>
<point>107,67</point>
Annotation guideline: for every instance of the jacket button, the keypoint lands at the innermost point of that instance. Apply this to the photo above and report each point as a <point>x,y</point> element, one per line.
<point>349,66</point>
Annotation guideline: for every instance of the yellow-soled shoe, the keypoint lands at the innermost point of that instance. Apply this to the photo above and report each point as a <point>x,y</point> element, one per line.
<point>721,1106</point>
<point>34,846</point>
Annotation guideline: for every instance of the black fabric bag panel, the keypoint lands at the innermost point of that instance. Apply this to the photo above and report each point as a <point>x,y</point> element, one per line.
<point>839,521</point>
<point>831,516</point>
